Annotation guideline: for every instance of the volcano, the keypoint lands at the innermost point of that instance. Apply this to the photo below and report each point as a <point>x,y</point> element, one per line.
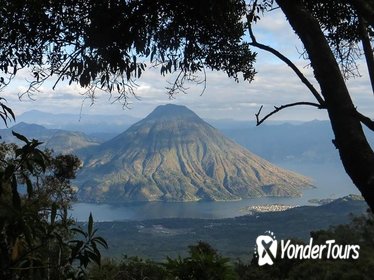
<point>173,155</point>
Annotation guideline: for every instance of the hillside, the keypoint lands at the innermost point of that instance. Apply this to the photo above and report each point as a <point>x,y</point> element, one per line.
<point>173,155</point>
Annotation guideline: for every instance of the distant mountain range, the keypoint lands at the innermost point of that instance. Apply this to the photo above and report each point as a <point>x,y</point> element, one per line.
<point>173,155</point>
<point>109,124</point>
<point>307,142</point>
<point>61,141</point>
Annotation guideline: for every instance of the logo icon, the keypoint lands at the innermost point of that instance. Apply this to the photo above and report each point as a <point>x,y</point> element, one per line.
<point>266,248</point>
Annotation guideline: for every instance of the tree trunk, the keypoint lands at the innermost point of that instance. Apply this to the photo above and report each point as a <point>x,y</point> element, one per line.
<point>355,152</point>
<point>368,50</point>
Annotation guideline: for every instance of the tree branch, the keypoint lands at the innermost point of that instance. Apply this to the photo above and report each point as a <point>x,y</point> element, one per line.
<point>277,109</point>
<point>303,79</point>
<point>365,120</point>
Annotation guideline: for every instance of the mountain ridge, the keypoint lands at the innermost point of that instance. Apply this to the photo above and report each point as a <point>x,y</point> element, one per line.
<point>58,140</point>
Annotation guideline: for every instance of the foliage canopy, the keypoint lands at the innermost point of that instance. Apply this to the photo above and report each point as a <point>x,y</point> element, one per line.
<point>36,230</point>
<point>106,44</point>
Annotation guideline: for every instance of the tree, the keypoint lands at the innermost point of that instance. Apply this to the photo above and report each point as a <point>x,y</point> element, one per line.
<point>319,42</point>
<point>203,262</point>
<point>35,229</point>
<point>106,44</point>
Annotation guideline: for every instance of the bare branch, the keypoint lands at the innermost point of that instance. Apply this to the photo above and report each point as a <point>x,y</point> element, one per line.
<point>203,81</point>
<point>365,120</point>
<point>178,84</point>
<point>183,77</point>
<point>303,79</point>
<point>67,63</point>
<point>277,109</point>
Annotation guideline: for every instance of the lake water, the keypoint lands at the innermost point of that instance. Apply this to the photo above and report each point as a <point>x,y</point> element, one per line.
<point>330,181</point>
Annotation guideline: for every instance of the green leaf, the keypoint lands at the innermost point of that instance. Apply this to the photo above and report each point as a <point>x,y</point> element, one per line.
<point>15,195</point>
<point>96,257</point>
<point>4,119</point>
<point>53,213</point>
<point>28,234</point>
<point>9,171</point>
<point>29,186</point>
<point>100,241</point>
<point>21,137</point>
<point>78,230</point>
<point>90,225</point>
<point>153,53</point>
<point>40,158</point>
<point>134,59</point>
<point>10,111</point>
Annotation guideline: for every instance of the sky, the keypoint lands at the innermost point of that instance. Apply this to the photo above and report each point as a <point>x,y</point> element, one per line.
<point>275,84</point>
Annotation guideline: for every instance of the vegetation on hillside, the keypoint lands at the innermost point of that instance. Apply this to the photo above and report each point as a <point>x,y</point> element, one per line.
<point>38,239</point>
<point>204,262</point>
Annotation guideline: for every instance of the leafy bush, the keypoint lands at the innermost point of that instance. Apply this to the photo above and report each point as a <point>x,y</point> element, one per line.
<point>35,229</point>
